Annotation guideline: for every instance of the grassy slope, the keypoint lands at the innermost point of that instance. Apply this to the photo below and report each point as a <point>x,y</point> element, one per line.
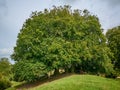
<point>81,82</point>
<point>14,84</point>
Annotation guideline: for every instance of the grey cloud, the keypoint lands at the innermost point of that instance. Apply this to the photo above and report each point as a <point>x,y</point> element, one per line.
<point>3,8</point>
<point>115,2</point>
<point>2,3</point>
<point>69,1</point>
<point>112,3</point>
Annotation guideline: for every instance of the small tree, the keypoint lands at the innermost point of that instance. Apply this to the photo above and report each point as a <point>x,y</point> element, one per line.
<point>5,67</point>
<point>113,37</point>
<point>5,73</point>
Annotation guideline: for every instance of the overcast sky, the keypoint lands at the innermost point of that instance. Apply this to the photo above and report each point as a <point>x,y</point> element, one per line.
<point>13,14</point>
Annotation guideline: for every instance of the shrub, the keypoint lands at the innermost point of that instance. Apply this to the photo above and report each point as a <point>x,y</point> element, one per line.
<point>29,71</point>
<point>112,74</point>
<point>4,82</point>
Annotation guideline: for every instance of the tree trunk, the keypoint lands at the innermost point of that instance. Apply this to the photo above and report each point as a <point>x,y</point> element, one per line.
<point>72,69</point>
<point>56,72</point>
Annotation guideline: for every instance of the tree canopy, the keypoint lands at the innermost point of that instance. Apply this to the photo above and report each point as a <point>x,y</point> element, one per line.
<point>63,38</point>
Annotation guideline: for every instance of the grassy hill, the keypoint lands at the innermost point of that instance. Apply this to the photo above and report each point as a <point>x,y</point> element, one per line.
<point>81,82</point>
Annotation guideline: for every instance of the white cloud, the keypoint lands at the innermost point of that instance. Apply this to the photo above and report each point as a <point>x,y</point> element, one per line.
<point>5,52</point>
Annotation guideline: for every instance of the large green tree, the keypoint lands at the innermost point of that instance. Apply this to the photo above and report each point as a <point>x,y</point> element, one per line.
<point>113,36</point>
<point>63,38</point>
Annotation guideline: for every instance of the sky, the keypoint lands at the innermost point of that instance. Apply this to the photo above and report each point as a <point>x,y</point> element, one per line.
<point>13,14</point>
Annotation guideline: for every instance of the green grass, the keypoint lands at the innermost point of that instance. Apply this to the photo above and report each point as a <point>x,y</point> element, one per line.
<point>14,84</point>
<point>81,82</point>
<point>76,82</point>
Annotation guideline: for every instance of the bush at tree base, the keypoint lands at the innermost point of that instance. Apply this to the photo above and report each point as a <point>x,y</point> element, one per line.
<point>30,71</point>
<point>4,82</point>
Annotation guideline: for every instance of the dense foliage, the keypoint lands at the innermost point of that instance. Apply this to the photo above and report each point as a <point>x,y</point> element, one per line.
<point>4,82</point>
<point>5,66</point>
<point>63,38</point>
<point>113,36</point>
<point>5,73</point>
<point>29,71</point>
